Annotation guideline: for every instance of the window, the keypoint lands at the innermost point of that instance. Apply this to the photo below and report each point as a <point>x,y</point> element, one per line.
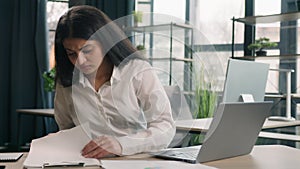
<point>164,7</point>
<point>158,43</point>
<point>55,8</point>
<point>271,31</point>
<point>213,21</point>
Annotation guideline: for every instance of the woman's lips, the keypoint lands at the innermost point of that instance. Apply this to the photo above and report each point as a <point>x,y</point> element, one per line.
<point>85,67</point>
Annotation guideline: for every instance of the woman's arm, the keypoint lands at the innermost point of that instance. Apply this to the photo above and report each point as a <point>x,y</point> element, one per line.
<point>157,112</point>
<point>62,113</point>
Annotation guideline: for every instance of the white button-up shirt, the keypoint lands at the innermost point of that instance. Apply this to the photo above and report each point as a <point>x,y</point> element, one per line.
<point>132,106</point>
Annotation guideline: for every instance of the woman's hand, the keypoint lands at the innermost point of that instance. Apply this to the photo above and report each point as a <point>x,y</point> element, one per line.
<point>101,147</point>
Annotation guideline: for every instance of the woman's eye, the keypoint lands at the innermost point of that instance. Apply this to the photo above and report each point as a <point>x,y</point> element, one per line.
<point>86,51</point>
<point>71,54</point>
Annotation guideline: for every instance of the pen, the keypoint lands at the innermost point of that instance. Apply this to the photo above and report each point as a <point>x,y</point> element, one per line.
<point>62,164</point>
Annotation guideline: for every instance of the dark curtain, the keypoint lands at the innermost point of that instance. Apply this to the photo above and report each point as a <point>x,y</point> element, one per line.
<point>23,59</point>
<point>113,8</point>
<point>5,54</point>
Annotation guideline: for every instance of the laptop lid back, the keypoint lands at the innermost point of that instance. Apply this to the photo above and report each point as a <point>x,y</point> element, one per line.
<point>245,77</point>
<point>234,130</point>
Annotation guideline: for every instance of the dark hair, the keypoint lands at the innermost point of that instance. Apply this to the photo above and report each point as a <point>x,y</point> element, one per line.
<point>83,22</point>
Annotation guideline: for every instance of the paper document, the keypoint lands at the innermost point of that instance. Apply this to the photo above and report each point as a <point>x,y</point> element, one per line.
<point>61,148</point>
<point>152,164</point>
<point>10,157</point>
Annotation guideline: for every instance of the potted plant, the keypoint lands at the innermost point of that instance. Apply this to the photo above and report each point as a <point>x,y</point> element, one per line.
<point>49,80</point>
<point>140,47</point>
<point>260,44</point>
<point>205,100</point>
<point>137,17</point>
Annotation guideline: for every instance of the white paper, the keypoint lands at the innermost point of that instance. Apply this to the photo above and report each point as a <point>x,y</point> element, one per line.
<point>61,147</point>
<point>10,156</point>
<point>151,164</point>
<point>247,98</point>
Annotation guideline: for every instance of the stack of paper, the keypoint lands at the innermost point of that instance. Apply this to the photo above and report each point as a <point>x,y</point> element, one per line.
<point>62,148</point>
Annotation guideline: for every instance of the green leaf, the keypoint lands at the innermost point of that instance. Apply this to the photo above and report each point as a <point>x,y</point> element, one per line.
<point>49,80</point>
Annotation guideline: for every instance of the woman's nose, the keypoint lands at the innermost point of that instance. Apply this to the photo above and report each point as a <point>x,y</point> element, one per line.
<point>81,59</point>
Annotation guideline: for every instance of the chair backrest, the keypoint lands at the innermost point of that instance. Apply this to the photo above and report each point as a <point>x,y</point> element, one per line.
<point>179,105</point>
<point>180,111</point>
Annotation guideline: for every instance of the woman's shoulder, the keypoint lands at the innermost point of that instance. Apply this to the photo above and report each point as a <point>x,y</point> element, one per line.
<point>133,68</point>
<point>140,62</point>
<point>136,64</point>
<point>60,87</point>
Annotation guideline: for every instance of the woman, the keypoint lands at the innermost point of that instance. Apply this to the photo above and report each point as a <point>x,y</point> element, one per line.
<point>102,80</point>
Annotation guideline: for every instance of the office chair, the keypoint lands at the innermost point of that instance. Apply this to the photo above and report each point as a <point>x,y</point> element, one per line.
<point>180,111</point>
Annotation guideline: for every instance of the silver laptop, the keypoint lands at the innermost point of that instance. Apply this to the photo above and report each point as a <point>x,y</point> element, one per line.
<point>233,132</point>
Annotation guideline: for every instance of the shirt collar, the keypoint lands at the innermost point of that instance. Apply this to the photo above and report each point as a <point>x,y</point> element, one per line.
<point>114,78</point>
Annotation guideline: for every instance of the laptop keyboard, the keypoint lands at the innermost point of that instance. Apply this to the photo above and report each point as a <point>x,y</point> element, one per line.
<point>188,153</point>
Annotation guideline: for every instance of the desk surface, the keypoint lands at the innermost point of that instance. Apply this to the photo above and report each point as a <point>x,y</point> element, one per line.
<point>199,125</point>
<point>190,125</point>
<point>40,112</point>
<point>261,157</point>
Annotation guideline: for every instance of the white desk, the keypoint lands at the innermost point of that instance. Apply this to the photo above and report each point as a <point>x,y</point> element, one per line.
<point>37,112</point>
<point>202,125</point>
<point>195,125</point>
<point>261,157</point>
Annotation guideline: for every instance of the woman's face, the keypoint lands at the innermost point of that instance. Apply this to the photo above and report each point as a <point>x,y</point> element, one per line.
<point>86,55</point>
